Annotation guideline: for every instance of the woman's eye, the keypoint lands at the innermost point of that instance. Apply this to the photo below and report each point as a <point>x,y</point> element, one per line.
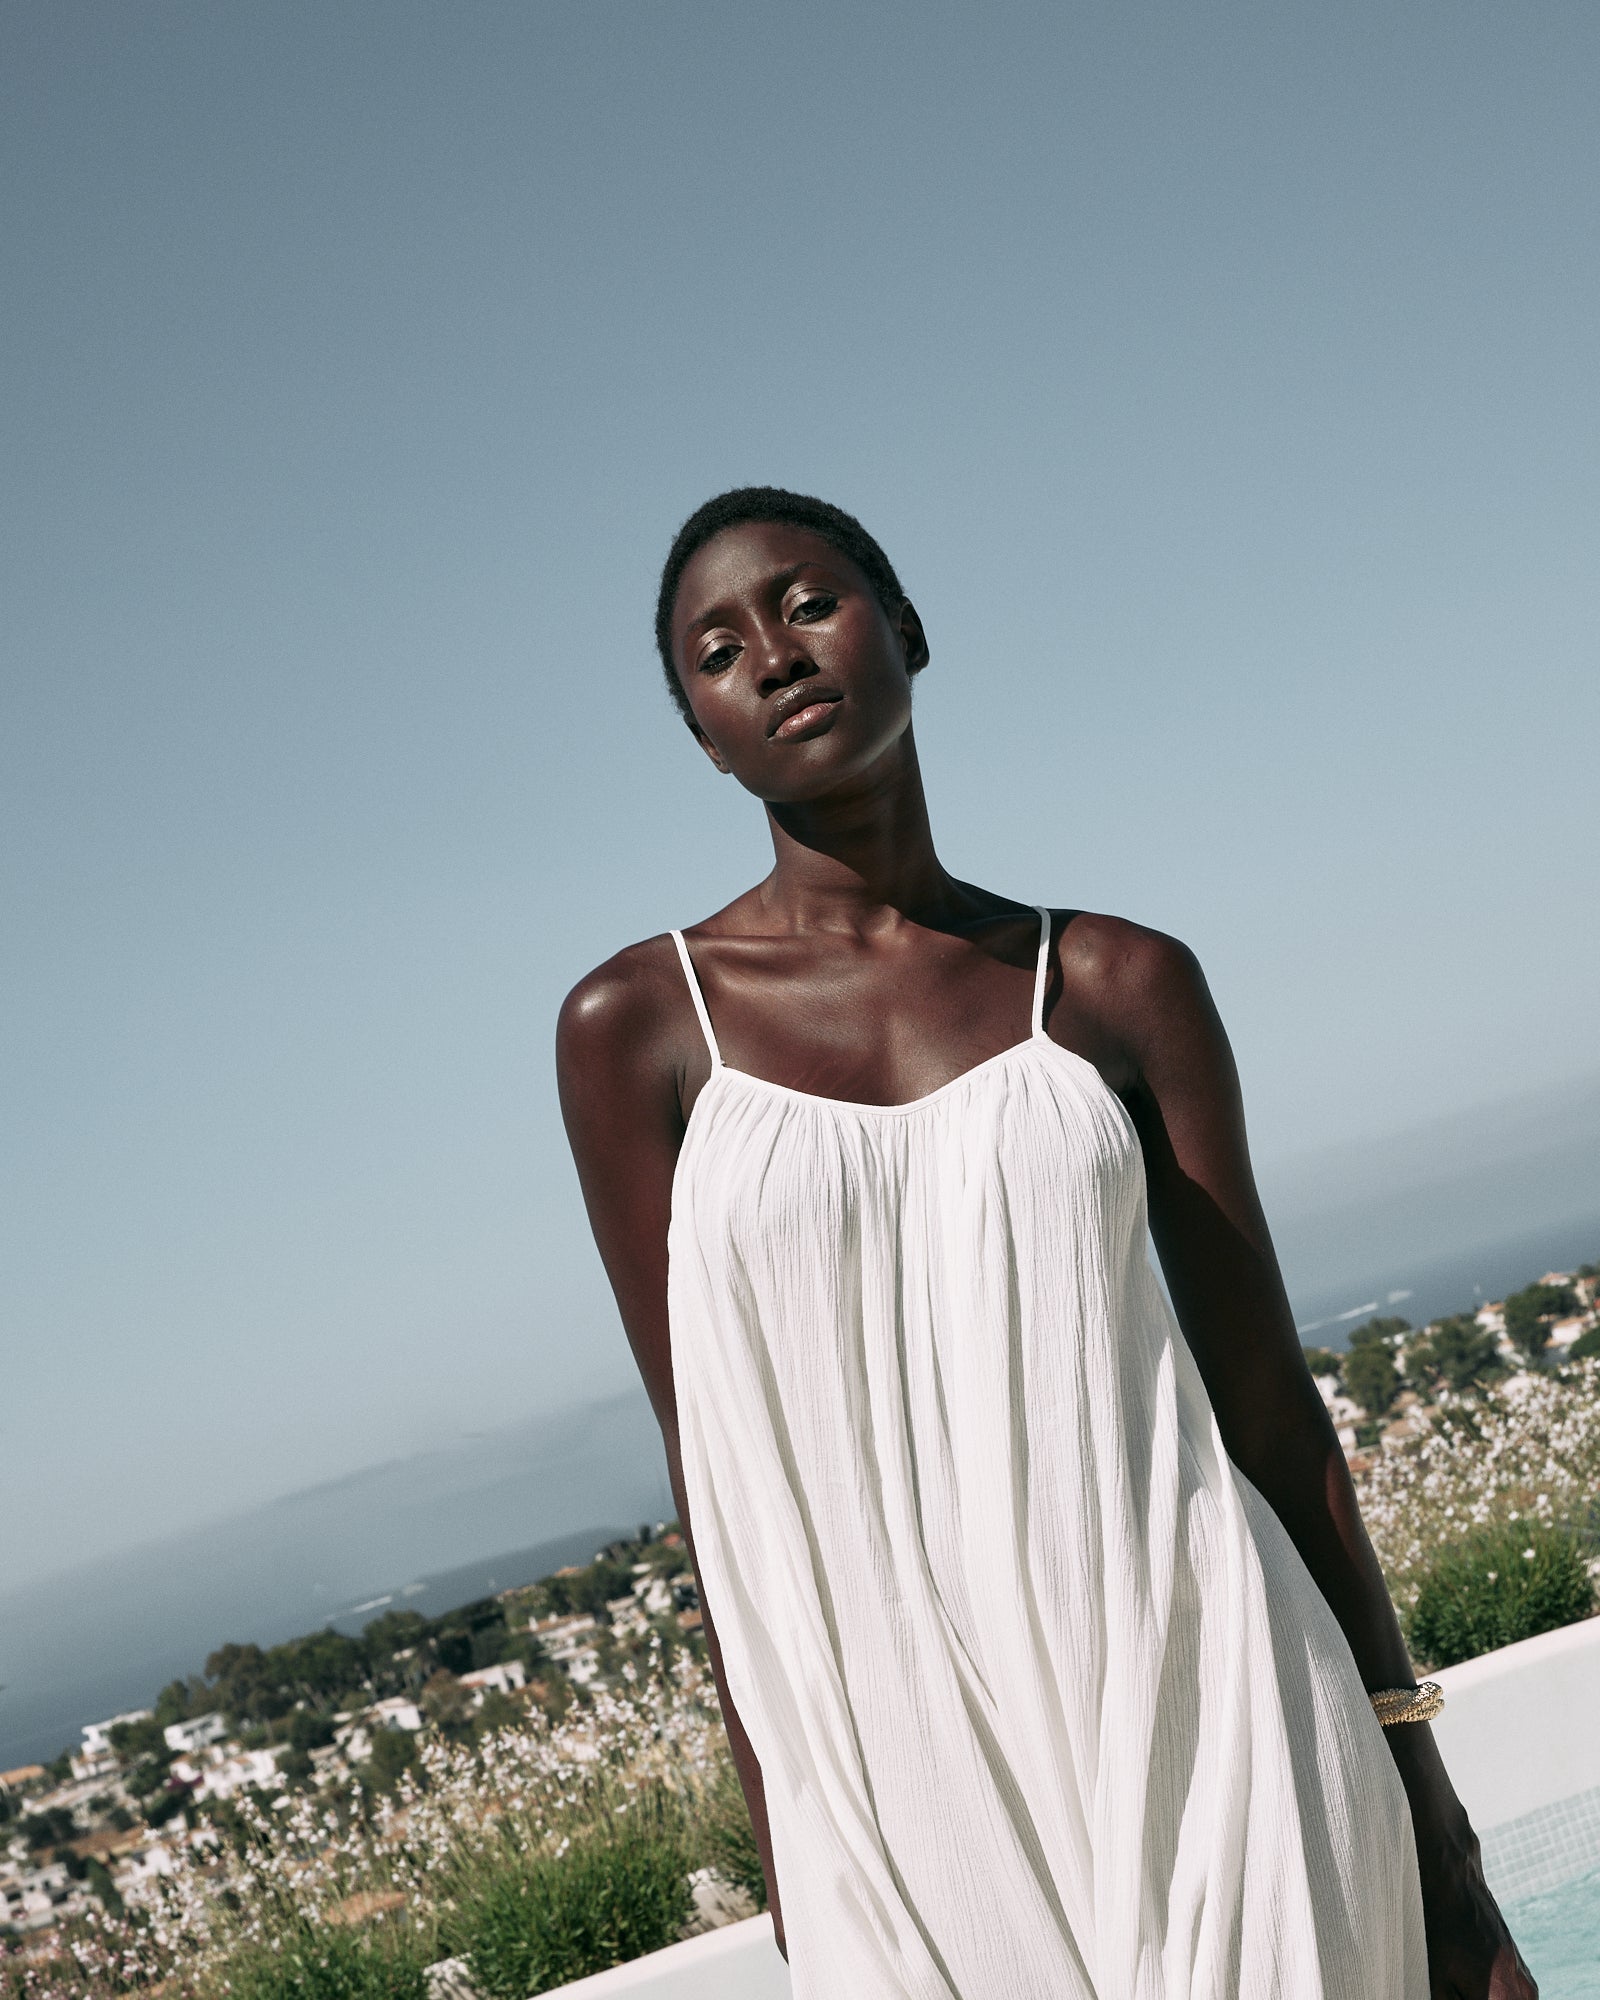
<point>815,607</point>
<point>718,658</point>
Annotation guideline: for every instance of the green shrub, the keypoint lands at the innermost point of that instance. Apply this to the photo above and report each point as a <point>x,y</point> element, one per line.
<point>724,1838</point>
<point>1499,1585</point>
<point>1585,1345</point>
<point>1532,1312</point>
<point>1370,1376</point>
<point>323,1962</point>
<point>394,1752</point>
<point>527,1922</point>
<point>1456,1351</point>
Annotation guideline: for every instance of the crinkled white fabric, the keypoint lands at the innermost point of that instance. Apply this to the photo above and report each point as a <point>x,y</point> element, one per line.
<point>1045,1701</point>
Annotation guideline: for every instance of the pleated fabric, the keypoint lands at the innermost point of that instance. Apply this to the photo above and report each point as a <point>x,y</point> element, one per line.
<point>1046,1703</point>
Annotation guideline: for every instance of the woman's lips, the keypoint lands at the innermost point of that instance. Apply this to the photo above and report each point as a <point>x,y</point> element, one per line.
<point>808,720</point>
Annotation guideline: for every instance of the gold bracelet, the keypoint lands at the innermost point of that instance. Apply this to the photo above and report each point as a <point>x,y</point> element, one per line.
<point>1418,1704</point>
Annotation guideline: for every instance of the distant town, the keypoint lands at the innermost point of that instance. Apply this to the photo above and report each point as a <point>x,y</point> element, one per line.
<point>105,1820</point>
<point>159,1787</point>
<point>1379,1388</point>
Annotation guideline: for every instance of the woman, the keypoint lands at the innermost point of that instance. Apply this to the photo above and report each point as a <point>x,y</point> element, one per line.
<point>1044,1633</point>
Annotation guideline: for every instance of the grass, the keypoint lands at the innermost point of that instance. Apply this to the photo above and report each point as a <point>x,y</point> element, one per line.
<point>725,1837</point>
<point>318,1962</point>
<point>535,1919</point>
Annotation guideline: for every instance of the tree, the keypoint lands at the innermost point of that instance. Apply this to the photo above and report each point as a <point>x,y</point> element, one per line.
<point>1321,1362</point>
<point>1532,1312</point>
<point>1458,1352</point>
<point>100,1883</point>
<point>395,1632</point>
<point>586,1589</point>
<point>50,1828</point>
<point>179,1700</point>
<point>295,1767</point>
<point>166,1805</point>
<point>310,1731</point>
<point>1585,1345</point>
<point>143,1738</point>
<point>1370,1376</point>
<point>147,1777</point>
<point>495,1712</point>
<point>394,1752</point>
<point>1373,1330</point>
<point>319,1666</point>
<point>448,1706</point>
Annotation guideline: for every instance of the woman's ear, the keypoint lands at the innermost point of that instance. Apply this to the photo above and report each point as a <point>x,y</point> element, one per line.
<point>706,744</point>
<point>912,637</point>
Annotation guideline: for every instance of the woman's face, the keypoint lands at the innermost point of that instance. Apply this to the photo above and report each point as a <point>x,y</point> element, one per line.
<point>797,677</point>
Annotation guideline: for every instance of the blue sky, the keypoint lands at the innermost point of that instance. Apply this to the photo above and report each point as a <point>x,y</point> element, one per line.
<point>1222,381</point>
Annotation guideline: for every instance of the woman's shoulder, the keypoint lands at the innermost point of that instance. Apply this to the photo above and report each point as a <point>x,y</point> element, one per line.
<point>623,999</point>
<point>1127,975</point>
<point>637,998</point>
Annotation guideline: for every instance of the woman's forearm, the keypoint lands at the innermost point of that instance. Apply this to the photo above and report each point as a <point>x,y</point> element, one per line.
<point>1305,1481</point>
<point>1303,1477</point>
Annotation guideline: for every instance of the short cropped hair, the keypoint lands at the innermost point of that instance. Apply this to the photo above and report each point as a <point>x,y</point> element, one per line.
<point>766,503</point>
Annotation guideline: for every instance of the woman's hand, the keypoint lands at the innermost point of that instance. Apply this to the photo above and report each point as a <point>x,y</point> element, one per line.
<point>1470,1952</point>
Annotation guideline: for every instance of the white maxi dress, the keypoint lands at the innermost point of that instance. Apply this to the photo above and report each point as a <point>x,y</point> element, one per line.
<point>1046,1703</point>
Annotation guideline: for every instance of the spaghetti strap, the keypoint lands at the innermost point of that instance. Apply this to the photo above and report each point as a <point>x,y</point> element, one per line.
<point>1043,972</point>
<point>699,1000</point>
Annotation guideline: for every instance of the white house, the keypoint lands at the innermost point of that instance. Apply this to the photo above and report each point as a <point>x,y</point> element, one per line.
<point>570,1642</point>
<point>395,1711</point>
<point>627,1615</point>
<point>1345,1413</point>
<point>185,1738</point>
<point>97,1759</point>
<point>35,1898</point>
<point>97,1735</point>
<point>656,1596</point>
<point>504,1678</point>
<point>226,1775</point>
<point>135,1876</point>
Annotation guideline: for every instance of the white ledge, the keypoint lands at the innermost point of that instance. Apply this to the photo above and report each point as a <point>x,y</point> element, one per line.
<point>738,1962</point>
<point>1518,1731</point>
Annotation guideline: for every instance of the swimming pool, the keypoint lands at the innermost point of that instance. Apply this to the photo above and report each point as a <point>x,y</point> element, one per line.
<point>1559,1935</point>
<point>1519,1740</point>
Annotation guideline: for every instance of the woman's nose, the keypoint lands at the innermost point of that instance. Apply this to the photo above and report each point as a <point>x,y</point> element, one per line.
<point>783,661</point>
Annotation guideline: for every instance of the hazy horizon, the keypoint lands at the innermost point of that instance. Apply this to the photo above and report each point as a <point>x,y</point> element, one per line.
<point>1347,1219</point>
<point>1221,385</point>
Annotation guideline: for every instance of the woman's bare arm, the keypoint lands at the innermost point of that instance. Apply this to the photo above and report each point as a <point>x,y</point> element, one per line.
<point>625,1069</point>
<point>1205,1215</point>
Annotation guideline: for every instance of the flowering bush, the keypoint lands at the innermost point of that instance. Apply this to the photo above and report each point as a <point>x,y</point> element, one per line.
<point>319,1897</point>
<point>1524,1451</point>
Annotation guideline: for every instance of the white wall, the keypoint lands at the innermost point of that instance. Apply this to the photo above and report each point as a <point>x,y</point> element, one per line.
<point>1519,1726</point>
<point>739,1962</point>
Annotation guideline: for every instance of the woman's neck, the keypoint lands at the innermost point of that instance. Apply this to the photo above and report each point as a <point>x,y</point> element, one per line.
<point>862,856</point>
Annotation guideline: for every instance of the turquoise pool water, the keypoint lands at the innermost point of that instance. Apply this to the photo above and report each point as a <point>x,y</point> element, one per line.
<point>1558,1934</point>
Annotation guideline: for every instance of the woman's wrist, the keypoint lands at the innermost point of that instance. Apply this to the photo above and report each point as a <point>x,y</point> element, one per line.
<point>1435,1807</point>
